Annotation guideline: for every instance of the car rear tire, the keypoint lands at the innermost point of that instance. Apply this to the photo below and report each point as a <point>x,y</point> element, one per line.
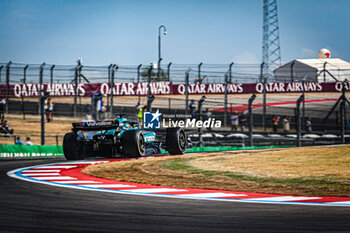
<point>176,141</point>
<point>71,147</point>
<point>133,143</point>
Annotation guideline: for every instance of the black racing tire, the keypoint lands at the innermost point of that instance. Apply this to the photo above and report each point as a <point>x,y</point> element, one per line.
<point>176,141</point>
<point>133,143</point>
<point>71,148</point>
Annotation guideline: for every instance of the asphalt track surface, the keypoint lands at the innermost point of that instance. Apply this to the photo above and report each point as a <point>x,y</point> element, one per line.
<point>31,207</point>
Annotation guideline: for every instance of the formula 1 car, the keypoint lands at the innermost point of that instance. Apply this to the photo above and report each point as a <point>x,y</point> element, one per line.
<point>120,137</point>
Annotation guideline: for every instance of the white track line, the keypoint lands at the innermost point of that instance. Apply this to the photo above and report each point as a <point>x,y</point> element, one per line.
<point>285,198</point>
<point>78,182</point>
<point>64,181</point>
<point>42,174</point>
<point>213,195</point>
<point>33,171</point>
<point>155,190</point>
<point>109,186</point>
<point>53,166</point>
<point>56,178</point>
<point>340,202</point>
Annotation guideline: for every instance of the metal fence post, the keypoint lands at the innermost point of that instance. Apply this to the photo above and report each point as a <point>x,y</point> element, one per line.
<point>342,121</point>
<point>199,70</point>
<point>109,72</point>
<point>169,105</point>
<point>42,114</point>
<point>109,78</point>
<point>298,119</point>
<point>138,72</point>
<point>200,114</point>
<point>41,86</point>
<point>230,70</point>
<point>264,104</point>
<point>22,97</point>
<point>114,69</point>
<point>186,88</point>
<point>250,117</point>
<point>263,79</point>
<point>0,72</point>
<point>42,119</point>
<point>51,73</point>
<point>7,85</point>
<point>168,71</point>
<point>138,78</point>
<point>225,98</point>
<point>292,71</point>
<point>303,114</point>
<point>42,102</point>
<point>343,113</point>
<point>79,73</point>
<point>25,74</point>
<point>76,73</point>
<point>149,102</point>
<point>345,101</point>
<point>158,70</point>
<point>79,76</point>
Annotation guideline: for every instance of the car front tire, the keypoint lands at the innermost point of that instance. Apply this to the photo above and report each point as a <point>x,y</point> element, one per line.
<point>176,141</point>
<point>133,143</point>
<point>71,147</point>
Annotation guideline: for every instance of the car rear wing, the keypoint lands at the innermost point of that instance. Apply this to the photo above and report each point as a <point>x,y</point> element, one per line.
<point>95,125</point>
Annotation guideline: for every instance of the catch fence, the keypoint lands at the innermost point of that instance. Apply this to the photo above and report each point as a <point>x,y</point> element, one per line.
<point>24,86</point>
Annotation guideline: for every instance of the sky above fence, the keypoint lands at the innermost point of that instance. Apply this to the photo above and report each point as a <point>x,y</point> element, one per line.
<point>126,32</point>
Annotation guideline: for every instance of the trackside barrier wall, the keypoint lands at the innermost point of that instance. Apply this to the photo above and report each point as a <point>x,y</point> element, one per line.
<point>228,148</point>
<point>19,151</point>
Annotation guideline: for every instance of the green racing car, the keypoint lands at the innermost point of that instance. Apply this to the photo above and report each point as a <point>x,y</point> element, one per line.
<point>120,137</point>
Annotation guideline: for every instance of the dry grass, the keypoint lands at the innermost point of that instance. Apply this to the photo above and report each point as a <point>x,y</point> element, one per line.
<point>284,163</point>
<point>296,171</point>
<point>32,125</point>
